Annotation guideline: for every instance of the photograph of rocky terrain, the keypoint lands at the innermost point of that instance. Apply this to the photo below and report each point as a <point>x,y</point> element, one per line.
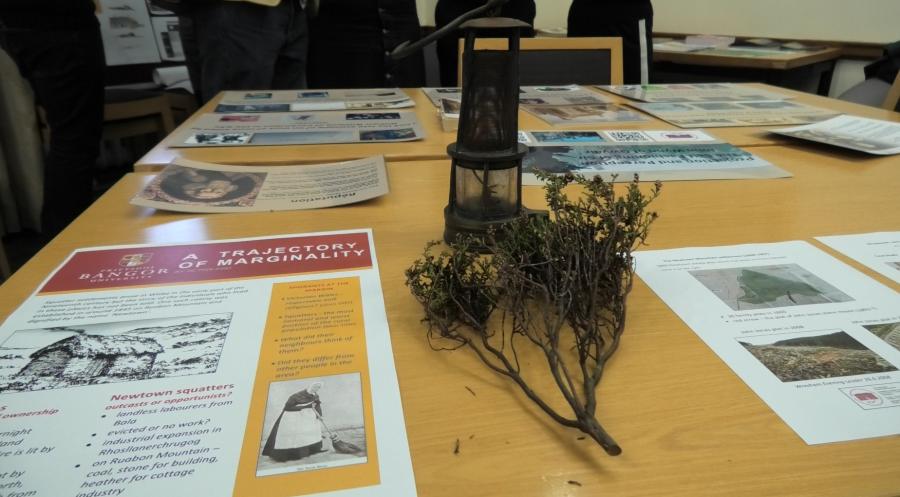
<point>812,357</point>
<point>68,356</point>
<point>764,287</point>
<point>889,332</point>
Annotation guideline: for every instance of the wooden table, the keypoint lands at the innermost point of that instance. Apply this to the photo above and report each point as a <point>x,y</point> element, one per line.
<point>688,426</point>
<point>739,57</point>
<point>434,146</point>
<point>735,62</point>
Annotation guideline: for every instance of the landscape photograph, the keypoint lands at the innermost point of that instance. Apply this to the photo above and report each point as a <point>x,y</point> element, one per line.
<point>762,287</point>
<point>95,353</point>
<point>889,332</point>
<point>814,356</point>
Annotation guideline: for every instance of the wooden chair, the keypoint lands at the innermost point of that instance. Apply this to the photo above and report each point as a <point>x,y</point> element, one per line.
<point>129,113</point>
<point>893,95</point>
<point>560,61</point>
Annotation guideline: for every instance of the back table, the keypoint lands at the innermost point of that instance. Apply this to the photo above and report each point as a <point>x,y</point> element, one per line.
<point>434,146</point>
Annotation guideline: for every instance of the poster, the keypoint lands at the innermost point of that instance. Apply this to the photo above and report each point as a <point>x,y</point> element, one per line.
<point>313,100</point>
<point>193,186</point>
<point>872,136</point>
<point>654,155</point>
<point>812,337</point>
<point>127,32</point>
<point>717,114</point>
<point>168,38</point>
<point>877,251</point>
<point>235,368</point>
<point>694,92</point>
<point>298,128</point>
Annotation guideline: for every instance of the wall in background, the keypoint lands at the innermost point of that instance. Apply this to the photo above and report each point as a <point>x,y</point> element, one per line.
<point>869,21</point>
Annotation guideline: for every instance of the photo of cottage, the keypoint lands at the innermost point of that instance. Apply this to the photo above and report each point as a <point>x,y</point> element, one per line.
<point>69,356</point>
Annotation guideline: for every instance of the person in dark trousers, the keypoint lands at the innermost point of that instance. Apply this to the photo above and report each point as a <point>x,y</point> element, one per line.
<point>632,20</point>
<point>57,47</point>
<point>350,39</point>
<point>242,45</point>
<point>448,47</point>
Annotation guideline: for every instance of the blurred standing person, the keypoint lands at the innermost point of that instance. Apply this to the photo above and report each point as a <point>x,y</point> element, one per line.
<point>448,47</point>
<point>631,20</point>
<point>57,47</point>
<point>243,44</point>
<point>351,38</point>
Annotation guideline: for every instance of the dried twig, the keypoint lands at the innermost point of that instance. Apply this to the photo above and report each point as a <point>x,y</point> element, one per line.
<point>557,283</point>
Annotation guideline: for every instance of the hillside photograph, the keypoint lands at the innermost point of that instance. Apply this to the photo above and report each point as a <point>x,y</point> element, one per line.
<point>810,357</point>
<point>889,332</point>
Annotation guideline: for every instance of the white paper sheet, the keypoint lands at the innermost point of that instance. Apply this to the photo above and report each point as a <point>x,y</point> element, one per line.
<point>193,186</point>
<point>694,92</point>
<point>872,136</point>
<point>299,128</point>
<point>654,155</point>
<point>878,251</point>
<point>313,100</point>
<point>149,370</point>
<point>718,114</point>
<point>127,32</point>
<point>803,330</point>
<point>168,38</point>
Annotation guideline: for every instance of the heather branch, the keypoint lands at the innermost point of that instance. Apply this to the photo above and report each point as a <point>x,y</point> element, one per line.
<point>558,282</point>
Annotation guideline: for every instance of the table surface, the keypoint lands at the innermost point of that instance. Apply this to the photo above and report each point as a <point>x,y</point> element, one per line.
<point>742,57</point>
<point>688,426</point>
<point>434,146</point>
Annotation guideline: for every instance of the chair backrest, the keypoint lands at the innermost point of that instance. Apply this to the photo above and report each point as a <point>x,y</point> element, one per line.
<point>560,61</point>
<point>128,113</point>
<point>893,95</point>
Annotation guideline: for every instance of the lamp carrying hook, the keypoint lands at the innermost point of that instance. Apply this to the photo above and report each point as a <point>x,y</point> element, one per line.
<point>406,48</point>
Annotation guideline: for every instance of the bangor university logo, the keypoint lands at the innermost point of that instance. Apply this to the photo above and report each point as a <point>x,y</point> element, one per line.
<point>134,260</point>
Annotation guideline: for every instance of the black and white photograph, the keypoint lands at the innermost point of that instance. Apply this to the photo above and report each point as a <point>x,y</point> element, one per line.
<point>187,185</point>
<point>763,287</point>
<point>89,354</point>
<point>811,356</point>
<point>313,423</point>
